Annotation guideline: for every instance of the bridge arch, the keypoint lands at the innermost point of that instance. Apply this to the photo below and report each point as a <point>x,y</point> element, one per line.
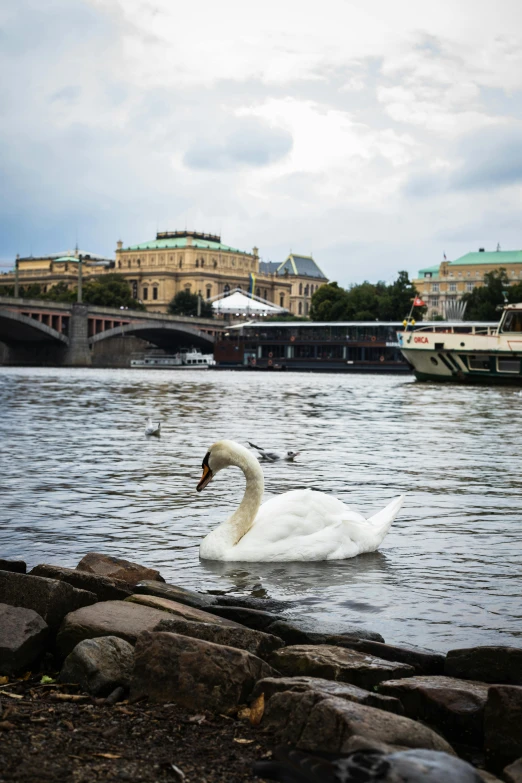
<point>28,330</point>
<point>164,335</point>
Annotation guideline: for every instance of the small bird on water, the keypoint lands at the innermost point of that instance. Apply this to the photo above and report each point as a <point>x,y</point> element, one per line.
<point>153,428</point>
<point>273,456</point>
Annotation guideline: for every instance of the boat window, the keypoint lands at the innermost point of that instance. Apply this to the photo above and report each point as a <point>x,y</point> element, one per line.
<point>508,365</point>
<point>479,363</point>
<point>513,321</point>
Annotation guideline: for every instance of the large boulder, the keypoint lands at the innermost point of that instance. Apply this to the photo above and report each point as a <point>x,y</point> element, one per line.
<point>16,566</point>
<point>503,725</point>
<point>423,661</point>
<point>337,663</point>
<point>368,766</point>
<point>252,618</point>
<point>104,587</point>
<point>49,598</point>
<point>117,568</point>
<point>194,673</point>
<point>342,690</point>
<point>255,642</point>
<point>513,773</point>
<point>313,721</point>
<point>107,618</point>
<point>182,610</point>
<point>99,665</point>
<point>454,707</point>
<point>23,636</point>
<point>175,593</point>
<point>302,631</point>
<point>501,665</point>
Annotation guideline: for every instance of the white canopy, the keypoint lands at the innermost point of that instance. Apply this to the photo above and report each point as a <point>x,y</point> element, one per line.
<point>239,304</point>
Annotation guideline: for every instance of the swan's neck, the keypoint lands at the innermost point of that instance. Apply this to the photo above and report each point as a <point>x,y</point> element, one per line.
<point>230,532</point>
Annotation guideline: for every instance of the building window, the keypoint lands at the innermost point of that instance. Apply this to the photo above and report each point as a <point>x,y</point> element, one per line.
<point>134,287</point>
<point>306,308</point>
<point>145,293</point>
<point>265,294</point>
<point>209,291</point>
<point>226,289</point>
<point>119,265</point>
<point>138,262</point>
<point>281,300</point>
<point>307,290</point>
<point>434,301</point>
<point>129,263</point>
<point>214,263</point>
<point>155,292</point>
<point>197,263</point>
<point>452,287</point>
<point>469,286</point>
<point>428,274</point>
<point>300,308</point>
<point>435,288</point>
<point>180,262</point>
<point>258,292</point>
<point>202,262</point>
<point>300,289</point>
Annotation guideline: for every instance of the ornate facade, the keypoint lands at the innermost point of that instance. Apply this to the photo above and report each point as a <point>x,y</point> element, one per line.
<point>182,261</point>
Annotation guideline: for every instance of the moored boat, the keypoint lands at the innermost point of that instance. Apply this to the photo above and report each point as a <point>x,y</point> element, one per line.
<point>184,360</point>
<point>467,352</point>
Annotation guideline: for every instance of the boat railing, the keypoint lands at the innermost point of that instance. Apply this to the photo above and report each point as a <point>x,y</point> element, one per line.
<point>486,329</point>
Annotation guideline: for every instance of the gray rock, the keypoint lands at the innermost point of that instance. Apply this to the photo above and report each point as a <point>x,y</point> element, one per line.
<point>249,602</point>
<point>315,722</point>
<point>370,766</point>
<point>99,665</point>
<point>513,773</point>
<point>252,618</point>
<point>337,663</point>
<point>302,632</point>
<point>255,642</point>
<point>423,661</point>
<point>116,568</point>
<point>175,593</point>
<point>49,598</point>
<point>182,610</point>
<point>105,588</point>
<point>501,665</point>
<point>108,618</point>
<point>454,707</point>
<point>194,673</point>
<point>23,636</point>
<point>15,566</point>
<point>503,726</point>
<point>342,690</point>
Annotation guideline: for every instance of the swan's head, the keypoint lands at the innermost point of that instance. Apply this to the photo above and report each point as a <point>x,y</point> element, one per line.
<point>223,454</point>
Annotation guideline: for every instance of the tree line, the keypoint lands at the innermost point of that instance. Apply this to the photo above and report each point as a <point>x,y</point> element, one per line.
<point>485,303</point>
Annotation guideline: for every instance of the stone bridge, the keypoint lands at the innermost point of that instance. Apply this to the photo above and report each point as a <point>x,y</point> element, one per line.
<point>41,332</point>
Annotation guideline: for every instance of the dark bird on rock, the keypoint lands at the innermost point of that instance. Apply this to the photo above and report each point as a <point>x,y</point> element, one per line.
<point>366,766</point>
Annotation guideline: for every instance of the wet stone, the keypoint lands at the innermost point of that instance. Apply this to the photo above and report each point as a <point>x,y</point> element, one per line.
<point>499,665</point>
<point>194,673</point>
<point>49,598</point>
<point>503,726</point>
<point>252,618</point>
<point>99,666</point>
<point>15,566</point>
<point>342,690</point>
<point>337,663</point>
<point>175,593</point>
<point>182,610</point>
<point>455,707</point>
<point>104,587</point>
<point>513,773</point>
<point>423,661</point>
<point>255,642</point>
<point>23,637</point>
<point>117,568</point>
<point>300,632</point>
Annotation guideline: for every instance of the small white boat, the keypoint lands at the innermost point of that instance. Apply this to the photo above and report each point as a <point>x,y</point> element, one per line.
<point>467,351</point>
<point>184,360</point>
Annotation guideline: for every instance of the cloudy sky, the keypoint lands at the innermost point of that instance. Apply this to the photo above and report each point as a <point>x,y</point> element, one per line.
<point>375,135</point>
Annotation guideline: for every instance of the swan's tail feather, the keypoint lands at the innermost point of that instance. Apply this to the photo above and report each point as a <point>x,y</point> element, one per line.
<point>383,519</point>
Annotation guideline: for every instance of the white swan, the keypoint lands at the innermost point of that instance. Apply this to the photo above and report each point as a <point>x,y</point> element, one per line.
<point>153,428</point>
<point>298,525</point>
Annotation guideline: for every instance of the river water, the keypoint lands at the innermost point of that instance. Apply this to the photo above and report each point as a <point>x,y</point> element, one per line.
<point>78,474</point>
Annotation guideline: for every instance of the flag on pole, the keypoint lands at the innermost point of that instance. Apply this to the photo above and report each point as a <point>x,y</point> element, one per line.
<point>251,285</point>
<point>417,302</point>
<point>445,259</point>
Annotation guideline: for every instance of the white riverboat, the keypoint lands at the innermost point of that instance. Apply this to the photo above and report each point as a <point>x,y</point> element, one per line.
<point>467,351</point>
<point>184,360</point>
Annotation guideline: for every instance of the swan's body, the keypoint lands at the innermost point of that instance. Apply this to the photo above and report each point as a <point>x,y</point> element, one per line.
<point>153,428</point>
<point>298,525</point>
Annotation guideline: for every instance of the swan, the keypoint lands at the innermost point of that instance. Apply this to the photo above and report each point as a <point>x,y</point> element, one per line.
<point>299,525</point>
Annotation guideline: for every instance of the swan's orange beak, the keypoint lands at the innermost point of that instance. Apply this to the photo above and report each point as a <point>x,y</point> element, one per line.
<point>207,476</point>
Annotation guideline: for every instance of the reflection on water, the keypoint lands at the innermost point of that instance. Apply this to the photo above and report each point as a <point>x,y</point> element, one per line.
<point>78,475</point>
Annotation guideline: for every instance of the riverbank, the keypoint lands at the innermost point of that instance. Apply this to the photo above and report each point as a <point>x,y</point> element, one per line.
<point>108,672</point>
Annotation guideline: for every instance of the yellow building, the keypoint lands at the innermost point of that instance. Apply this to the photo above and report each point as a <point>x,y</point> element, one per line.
<point>182,261</point>
<point>444,283</point>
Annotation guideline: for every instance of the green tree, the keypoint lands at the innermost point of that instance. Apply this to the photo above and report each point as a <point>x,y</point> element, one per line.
<point>110,291</point>
<point>185,303</point>
<point>327,303</point>
<point>484,303</point>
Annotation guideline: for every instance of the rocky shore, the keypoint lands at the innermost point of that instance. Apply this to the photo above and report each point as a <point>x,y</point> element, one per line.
<point>108,672</point>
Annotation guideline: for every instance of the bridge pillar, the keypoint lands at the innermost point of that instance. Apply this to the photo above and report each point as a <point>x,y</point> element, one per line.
<point>78,353</point>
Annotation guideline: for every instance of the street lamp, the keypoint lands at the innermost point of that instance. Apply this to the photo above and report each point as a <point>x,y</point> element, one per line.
<point>79,298</point>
